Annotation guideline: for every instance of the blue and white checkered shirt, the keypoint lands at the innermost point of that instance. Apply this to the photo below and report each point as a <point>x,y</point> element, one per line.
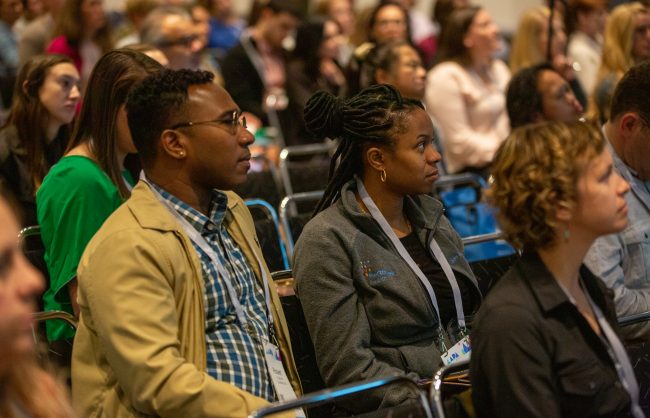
<point>233,355</point>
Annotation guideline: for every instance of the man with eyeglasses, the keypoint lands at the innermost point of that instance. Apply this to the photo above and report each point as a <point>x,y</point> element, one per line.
<point>623,260</point>
<point>179,315</point>
<point>172,30</point>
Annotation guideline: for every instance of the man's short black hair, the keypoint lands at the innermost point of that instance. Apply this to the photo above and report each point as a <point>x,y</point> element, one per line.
<point>157,103</point>
<point>632,93</point>
<point>523,100</point>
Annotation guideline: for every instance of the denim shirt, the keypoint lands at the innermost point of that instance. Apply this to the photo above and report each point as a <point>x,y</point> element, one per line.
<point>622,260</point>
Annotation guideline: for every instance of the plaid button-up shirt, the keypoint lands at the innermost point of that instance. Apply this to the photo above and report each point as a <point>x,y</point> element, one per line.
<point>233,355</point>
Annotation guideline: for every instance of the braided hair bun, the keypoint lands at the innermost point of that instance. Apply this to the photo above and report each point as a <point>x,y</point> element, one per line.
<point>324,115</point>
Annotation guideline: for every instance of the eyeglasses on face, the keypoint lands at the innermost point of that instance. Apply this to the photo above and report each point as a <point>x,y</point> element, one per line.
<point>230,123</point>
<point>185,41</point>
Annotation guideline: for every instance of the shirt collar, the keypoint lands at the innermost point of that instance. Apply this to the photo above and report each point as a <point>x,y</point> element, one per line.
<point>545,289</point>
<point>205,225</point>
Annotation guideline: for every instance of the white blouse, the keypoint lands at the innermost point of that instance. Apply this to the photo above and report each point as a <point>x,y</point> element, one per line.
<point>469,112</point>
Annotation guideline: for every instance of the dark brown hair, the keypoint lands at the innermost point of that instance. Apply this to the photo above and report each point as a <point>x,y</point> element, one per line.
<point>28,114</point>
<point>112,79</point>
<point>452,46</point>
<point>70,25</point>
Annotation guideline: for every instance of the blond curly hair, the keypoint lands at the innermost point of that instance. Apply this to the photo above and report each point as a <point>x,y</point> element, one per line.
<point>534,171</point>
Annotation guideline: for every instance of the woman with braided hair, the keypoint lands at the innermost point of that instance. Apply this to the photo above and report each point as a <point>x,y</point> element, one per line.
<point>379,270</point>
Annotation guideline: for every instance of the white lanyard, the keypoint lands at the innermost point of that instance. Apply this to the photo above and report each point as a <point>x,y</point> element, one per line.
<point>621,360</point>
<point>616,352</point>
<point>197,239</point>
<point>435,248</point>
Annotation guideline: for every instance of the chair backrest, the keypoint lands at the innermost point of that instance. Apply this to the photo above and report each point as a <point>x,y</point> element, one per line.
<point>292,223</point>
<point>488,270</point>
<point>346,391</point>
<point>305,168</point>
<point>301,343</point>
<point>263,185</point>
<point>57,353</point>
<point>267,227</point>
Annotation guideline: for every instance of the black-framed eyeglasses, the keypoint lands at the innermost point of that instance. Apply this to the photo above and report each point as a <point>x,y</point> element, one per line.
<point>231,123</point>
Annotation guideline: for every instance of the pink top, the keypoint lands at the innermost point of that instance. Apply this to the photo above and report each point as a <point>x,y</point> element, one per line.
<point>60,45</point>
<point>469,112</point>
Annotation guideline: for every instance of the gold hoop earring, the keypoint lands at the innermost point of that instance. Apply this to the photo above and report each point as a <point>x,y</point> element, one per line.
<point>382,176</point>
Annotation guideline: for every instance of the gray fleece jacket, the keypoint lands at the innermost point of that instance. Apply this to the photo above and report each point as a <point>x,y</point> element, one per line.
<point>368,314</point>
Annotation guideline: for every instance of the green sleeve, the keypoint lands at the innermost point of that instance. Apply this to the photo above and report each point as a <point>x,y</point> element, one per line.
<point>72,204</point>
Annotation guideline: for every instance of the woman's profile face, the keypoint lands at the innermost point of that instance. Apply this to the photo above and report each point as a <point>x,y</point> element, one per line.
<point>59,93</point>
<point>483,34</point>
<point>331,42</point>
<point>390,25</point>
<point>93,15</point>
<point>20,285</point>
<point>408,74</point>
<point>641,37</point>
<point>410,163</point>
<point>601,207</point>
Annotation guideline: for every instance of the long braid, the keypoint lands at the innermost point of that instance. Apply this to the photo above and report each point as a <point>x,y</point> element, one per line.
<point>368,117</point>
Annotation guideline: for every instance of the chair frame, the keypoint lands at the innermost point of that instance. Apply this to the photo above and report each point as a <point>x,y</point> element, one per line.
<point>270,212</point>
<point>443,373</point>
<point>285,211</point>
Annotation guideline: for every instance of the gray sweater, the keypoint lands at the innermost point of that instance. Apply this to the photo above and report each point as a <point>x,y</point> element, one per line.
<point>368,314</point>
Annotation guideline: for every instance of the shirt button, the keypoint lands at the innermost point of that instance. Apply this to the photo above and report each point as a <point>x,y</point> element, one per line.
<point>211,228</point>
<point>592,385</point>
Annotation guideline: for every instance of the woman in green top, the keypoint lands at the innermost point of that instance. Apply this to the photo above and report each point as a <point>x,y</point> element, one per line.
<point>89,182</point>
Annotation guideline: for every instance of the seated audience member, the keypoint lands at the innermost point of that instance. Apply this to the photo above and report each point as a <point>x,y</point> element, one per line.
<point>255,69</point>
<point>465,93</point>
<point>10,11</point>
<point>136,12</point>
<point>398,64</point>
<point>371,310</point>
<point>36,132</point>
<point>31,10</point>
<point>545,341</point>
<point>587,18</point>
<point>27,390</point>
<point>89,182</point>
<point>83,34</point>
<point>150,51</point>
<point>38,33</point>
<point>312,67</point>
<point>626,43</point>
<point>622,260</point>
<point>539,93</point>
<point>177,305</point>
<point>225,26</point>
<point>386,22</point>
<point>342,12</point>
<point>424,33</point>
<point>171,29</point>
<point>530,47</point>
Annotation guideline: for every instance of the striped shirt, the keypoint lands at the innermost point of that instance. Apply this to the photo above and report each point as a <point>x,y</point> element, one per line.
<point>233,355</point>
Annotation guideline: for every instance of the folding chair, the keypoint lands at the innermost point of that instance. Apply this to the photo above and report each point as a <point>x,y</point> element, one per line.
<point>267,227</point>
<point>488,270</point>
<point>56,353</point>
<point>33,248</point>
<point>305,168</point>
<point>421,409</point>
<point>293,222</point>
<point>461,196</point>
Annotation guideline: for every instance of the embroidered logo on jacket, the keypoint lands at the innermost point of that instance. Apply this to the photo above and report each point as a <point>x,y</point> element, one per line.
<point>375,275</point>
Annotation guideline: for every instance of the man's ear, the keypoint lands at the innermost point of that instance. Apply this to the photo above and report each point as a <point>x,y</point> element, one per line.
<point>173,144</point>
<point>375,158</point>
<point>627,124</point>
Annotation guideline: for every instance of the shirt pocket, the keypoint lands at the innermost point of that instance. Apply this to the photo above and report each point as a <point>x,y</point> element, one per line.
<point>636,260</point>
<point>582,390</point>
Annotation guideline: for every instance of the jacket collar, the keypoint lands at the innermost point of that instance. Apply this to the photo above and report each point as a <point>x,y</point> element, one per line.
<point>151,214</point>
<point>545,288</point>
<point>415,207</point>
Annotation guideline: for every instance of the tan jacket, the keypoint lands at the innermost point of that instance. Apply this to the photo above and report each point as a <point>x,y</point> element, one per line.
<point>140,347</point>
